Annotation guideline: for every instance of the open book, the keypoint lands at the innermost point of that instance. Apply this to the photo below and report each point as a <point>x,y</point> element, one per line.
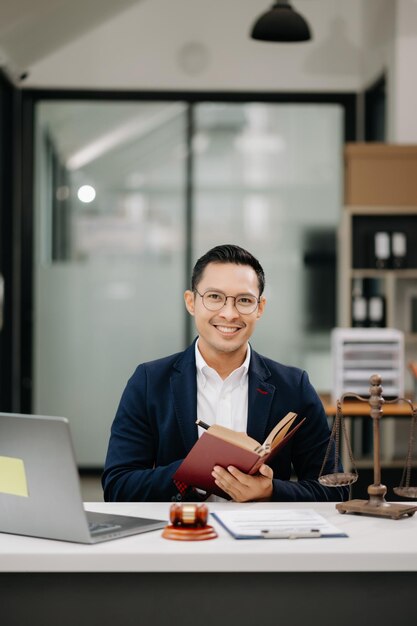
<point>222,446</point>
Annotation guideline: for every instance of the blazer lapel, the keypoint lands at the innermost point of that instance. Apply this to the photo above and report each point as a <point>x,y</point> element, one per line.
<point>260,397</point>
<point>184,391</point>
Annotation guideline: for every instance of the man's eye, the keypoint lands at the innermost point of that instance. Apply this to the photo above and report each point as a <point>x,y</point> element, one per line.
<point>246,301</point>
<point>214,296</point>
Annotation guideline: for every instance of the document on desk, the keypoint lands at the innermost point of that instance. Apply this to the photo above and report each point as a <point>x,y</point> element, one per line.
<point>276,524</point>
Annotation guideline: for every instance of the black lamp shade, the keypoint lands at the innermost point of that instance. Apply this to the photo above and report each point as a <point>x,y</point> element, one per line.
<point>281,23</point>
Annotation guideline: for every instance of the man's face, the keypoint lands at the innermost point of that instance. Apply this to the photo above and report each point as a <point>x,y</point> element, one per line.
<point>224,331</point>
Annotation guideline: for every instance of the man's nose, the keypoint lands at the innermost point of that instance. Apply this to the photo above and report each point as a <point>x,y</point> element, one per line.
<point>229,310</point>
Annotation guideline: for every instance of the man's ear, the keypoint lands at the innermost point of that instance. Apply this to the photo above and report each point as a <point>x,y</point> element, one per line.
<point>189,299</point>
<point>261,307</point>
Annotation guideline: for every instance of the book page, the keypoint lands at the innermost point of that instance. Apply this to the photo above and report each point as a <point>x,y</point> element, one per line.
<point>239,438</point>
<point>278,433</point>
<point>243,440</point>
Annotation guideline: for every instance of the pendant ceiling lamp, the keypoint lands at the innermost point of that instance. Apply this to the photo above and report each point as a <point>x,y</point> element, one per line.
<point>281,23</point>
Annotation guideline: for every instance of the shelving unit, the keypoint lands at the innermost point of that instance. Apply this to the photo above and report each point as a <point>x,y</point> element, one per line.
<point>380,195</point>
<point>392,280</point>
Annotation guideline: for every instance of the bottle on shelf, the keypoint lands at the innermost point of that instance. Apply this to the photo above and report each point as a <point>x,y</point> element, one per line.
<point>372,288</point>
<point>359,305</point>
<point>399,250</point>
<point>382,250</point>
<point>376,311</point>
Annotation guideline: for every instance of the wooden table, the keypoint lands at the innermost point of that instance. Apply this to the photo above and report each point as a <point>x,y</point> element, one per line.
<point>354,409</point>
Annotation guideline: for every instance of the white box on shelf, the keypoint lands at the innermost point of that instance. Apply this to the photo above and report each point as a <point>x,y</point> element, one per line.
<point>358,353</point>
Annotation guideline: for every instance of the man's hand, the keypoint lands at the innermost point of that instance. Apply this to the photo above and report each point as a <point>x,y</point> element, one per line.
<point>243,487</point>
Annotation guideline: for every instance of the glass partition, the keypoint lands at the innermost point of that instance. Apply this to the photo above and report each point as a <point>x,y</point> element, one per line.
<point>109,268</point>
<point>111,210</point>
<point>268,177</point>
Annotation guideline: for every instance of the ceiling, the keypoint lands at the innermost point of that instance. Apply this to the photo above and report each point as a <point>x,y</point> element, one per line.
<point>33,29</point>
<point>183,45</point>
<point>100,138</point>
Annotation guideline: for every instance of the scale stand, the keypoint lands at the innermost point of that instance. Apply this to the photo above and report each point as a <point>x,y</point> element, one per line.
<point>376,505</point>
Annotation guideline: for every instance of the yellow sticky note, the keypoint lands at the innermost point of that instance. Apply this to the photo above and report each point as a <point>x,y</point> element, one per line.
<point>13,476</point>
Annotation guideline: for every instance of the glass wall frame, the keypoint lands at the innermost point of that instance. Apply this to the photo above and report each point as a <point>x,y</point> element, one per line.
<point>191,103</point>
<point>9,220</point>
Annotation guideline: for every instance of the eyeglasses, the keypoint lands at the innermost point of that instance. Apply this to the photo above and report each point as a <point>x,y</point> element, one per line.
<point>245,303</point>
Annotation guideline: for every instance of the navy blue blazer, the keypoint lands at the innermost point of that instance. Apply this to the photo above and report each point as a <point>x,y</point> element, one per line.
<point>155,428</point>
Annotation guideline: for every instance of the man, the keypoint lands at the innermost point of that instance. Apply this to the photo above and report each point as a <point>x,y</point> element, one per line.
<point>219,379</point>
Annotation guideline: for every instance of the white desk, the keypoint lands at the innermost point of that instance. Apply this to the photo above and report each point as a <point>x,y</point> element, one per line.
<point>146,579</point>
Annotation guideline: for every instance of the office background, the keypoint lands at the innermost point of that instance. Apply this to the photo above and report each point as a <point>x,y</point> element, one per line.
<point>191,134</point>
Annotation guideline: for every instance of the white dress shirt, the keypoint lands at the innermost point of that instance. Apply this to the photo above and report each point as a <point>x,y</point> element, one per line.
<point>219,401</point>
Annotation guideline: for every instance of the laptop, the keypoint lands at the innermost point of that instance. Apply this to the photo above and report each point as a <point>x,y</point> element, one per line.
<point>40,492</point>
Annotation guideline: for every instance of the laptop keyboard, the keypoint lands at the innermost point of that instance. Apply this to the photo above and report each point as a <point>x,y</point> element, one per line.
<point>103,527</point>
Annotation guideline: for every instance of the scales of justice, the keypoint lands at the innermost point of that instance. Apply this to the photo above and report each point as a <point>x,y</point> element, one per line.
<point>376,505</point>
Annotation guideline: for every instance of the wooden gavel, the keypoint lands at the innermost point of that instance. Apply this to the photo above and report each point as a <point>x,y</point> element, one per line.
<point>188,514</point>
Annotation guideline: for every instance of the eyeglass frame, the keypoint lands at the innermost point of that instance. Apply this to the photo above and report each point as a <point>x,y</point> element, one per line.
<point>226,297</point>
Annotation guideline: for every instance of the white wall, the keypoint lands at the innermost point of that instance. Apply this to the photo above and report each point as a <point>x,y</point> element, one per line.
<point>403,90</point>
<point>378,18</point>
<point>204,44</point>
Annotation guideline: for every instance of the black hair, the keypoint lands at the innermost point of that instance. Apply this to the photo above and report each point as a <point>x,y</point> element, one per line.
<point>227,253</point>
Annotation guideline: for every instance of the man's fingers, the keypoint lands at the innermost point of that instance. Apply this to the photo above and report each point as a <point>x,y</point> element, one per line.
<point>266,471</point>
<point>243,487</point>
<point>240,476</point>
<point>225,481</point>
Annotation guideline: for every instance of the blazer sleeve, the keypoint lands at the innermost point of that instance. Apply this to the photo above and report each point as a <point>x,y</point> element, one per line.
<point>133,471</point>
<point>308,452</point>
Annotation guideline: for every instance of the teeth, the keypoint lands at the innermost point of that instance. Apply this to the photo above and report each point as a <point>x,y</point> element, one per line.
<point>227,329</point>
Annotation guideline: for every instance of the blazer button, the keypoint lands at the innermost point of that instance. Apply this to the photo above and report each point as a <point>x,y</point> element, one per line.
<point>179,497</point>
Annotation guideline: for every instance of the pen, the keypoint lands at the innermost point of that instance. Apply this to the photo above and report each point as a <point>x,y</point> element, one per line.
<point>302,534</point>
<point>202,424</point>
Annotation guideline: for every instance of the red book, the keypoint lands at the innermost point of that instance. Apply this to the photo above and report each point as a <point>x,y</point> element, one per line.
<point>222,446</point>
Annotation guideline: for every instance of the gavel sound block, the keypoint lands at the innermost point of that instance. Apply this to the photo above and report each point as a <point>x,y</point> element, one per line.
<point>188,523</point>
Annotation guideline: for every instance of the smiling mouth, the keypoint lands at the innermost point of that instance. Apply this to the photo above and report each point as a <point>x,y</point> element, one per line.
<point>227,330</point>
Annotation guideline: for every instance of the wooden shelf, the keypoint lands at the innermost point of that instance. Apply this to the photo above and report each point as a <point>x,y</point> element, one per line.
<point>382,209</point>
<point>409,272</point>
<point>367,463</point>
<point>362,409</point>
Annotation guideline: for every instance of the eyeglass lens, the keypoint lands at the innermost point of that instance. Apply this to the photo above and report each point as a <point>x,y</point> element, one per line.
<point>216,300</point>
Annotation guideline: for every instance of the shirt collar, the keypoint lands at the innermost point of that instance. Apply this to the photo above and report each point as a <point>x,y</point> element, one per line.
<point>240,373</point>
